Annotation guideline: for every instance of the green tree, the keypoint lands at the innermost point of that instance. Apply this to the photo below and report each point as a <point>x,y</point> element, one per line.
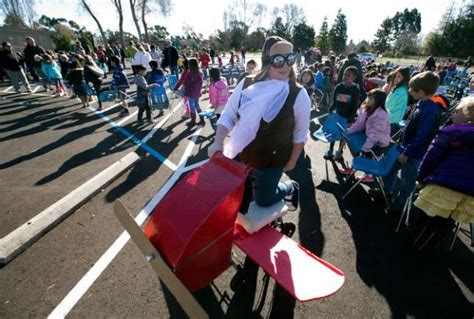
<point>452,37</point>
<point>338,33</point>
<point>383,36</point>
<point>63,37</point>
<point>280,29</point>
<point>303,36</point>
<point>50,22</point>
<point>158,33</point>
<point>256,39</point>
<point>322,40</point>
<point>404,25</point>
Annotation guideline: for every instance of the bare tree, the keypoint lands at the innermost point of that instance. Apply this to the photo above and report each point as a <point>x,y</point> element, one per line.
<point>291,15</point>
<point>118,6</point>
<point>164,8</point>
<point>19,12</point>
<point>86,7</point>
<point>259,13</point>
<point>133,7</point>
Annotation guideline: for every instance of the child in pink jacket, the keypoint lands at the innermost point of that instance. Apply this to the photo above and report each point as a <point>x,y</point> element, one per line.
<point>218,91</point>
<point>374,119</point>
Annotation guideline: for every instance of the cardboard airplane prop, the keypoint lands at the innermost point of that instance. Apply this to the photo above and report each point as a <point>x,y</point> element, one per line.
<point>189,236</point>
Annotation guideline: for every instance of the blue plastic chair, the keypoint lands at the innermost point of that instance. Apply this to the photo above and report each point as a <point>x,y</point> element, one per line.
<point>377,168</point>
<point>172,80</point>
<point>211,116</point>
<point>355,141</point>
<point>331,129</point>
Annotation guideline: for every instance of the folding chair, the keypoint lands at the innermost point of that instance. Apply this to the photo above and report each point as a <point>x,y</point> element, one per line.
<point>406,211</point>
<point>160,98</point>
<point>330,131</point>
<point>211,116</point>
<point>377,168</point>
<point>172,80</point>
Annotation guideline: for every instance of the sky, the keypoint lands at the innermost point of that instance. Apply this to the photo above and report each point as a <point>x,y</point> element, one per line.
<point>206,16</point>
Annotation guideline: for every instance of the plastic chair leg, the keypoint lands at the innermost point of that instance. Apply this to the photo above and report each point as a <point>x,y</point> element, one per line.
<point>327,170</point>
<point>458,227</point>
<point>380,182</point>
<point>406,211</point>
<point>472,234</point>
<point>352,188</point>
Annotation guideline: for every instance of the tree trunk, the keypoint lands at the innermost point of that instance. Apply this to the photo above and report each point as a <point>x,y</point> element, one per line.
<point>88,9</point>
<point>145,26</point>
<point>118,6</point>
<point>135,18</point>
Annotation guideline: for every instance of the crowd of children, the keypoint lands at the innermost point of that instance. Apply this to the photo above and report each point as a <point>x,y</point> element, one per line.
<point>404,100</point>
<point>375,99</point>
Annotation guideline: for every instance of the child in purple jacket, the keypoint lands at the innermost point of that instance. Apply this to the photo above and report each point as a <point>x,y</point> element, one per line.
<point>447,170</point>
<point>192,80</point>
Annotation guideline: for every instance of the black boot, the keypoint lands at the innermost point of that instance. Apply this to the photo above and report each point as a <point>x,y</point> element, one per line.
<point>192,122</point>
<point>201,120</point>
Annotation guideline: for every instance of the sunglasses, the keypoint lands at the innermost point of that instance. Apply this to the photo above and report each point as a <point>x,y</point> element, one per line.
<point>279,60</point>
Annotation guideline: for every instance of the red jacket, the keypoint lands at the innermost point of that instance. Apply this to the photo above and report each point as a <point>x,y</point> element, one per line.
<point>204,59</point>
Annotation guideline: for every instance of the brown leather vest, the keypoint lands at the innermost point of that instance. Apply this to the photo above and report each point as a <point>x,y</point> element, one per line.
<point>273,143</point>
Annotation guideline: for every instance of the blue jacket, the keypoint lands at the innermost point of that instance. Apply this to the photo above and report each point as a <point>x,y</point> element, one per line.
<point>319,81</point>
<point>421,128</point>
<point>119,80</point>
<point>51,70</point>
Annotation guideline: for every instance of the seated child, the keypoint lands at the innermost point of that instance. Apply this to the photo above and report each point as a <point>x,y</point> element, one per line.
<point>156,76</point>
<point>417,136</point>
<point>446,170</point>
<point>307,80</point>
<point>373,119</point>
<point>250,68</point>
<point>345,103</point>
<point>218,91</point>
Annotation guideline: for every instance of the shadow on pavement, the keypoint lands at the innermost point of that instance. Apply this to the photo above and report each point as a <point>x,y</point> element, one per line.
<point>415,284</point>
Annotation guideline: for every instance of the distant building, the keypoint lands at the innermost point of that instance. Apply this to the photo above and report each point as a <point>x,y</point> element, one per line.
<point>16,36</point>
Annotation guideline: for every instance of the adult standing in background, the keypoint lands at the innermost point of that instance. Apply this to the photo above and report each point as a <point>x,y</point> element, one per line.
<point>29,52</point>
<point>212,53</point>
<point>430,64</point>
<point>10,62</point>
<point>130,52</point>
<point>142,57</point>
<point>243,52</point>
<point>155,54</point>
<point>170,58</point>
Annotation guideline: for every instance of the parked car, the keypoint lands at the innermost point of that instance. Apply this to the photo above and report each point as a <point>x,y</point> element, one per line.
<point>366,56</point>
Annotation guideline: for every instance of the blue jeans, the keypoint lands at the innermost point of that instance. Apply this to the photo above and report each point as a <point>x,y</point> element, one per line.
<point>194,105</point>
<point>175,70</point>
<point>267,188</point>
<point>406,184</point>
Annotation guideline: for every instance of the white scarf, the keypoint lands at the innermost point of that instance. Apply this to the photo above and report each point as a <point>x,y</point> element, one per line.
<point>262,100</point>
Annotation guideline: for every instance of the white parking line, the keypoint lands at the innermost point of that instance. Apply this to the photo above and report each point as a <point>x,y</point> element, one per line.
<point>193,166</point>
<point>8,89</point>
<point>125,119</point>
<point>73,297</point>
<point>315,120</point>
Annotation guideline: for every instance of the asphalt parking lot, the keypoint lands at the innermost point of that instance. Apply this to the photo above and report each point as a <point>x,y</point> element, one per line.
<point>84,267</point>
